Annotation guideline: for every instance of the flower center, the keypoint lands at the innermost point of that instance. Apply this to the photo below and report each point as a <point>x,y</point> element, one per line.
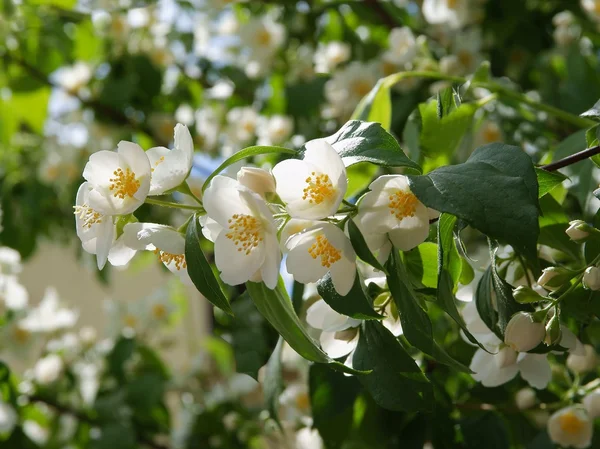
<point>245,231</point>
<point>465,58</point>
<point>167,258</point>
<point>360,88</point>
<point>322,248</point>
<point>130,321</point>
<point>302,401</point>
<point>89,216</point>
<point>319,188</point>
<point>124,183</point>
<point>403,204</point>
<point>160,160</point>
<point>491,133</point>
<point>570,423</point>
<point>21,335</point>
<point>263,37</point>
<point>452,4</point>
<point>159,311</point>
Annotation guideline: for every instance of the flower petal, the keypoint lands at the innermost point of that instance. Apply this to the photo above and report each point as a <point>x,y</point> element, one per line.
<point>535,369</point>
<point>340,343</point>
<point>236,267</point>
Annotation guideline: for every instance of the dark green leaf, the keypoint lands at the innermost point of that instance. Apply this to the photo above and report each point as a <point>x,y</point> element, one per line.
<point>485,430</point>
<point>396,382</point>
<point>359,141</point>
<point>200,271</point>
<point>276,306</point>
<point>548,180</point>
<point>484,301</point>
<point>273,383</point>
<point>360,246</point>
<point>355,304</point>
<point>495,191</point>
<point>244,154</point>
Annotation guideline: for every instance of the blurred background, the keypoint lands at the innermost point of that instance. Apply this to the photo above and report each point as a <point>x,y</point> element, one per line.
<point>78,76</point>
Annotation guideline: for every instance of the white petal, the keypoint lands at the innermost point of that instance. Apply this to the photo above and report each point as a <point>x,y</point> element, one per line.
<point>340,343</point>
<point>184,142</point>
<point>120,254</point>
<point>294,226</point>
<point>104,241</point>
<point>343,274</point>
<point>301,264</point>
<point>487,372</point>
<point>210,228</point>
<point>169,173</point>
<point>222,200</point>
<point>321,316</point>
<point>100,168</point>
<point>535,369</point>
<point>270,268</point>
<point>321,154</point>
<point>236,267</point>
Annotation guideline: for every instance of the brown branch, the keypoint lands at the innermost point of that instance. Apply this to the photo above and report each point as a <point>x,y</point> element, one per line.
<point>572,159</point>
<point>382,13</point>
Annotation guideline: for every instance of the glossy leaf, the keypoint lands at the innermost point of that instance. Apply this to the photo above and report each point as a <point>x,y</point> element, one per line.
<point>355,304</point>
<point>376,106</point>
<point>360,246</point>
<point>200,270</point>
<point>548,180</point>
<point>273,383</point>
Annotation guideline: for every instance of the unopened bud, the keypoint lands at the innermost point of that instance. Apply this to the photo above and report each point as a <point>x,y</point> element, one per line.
<point>523,333</point>
<point>525,398</point>
<point>578,230</point>
<point>257,180</point>
<point>505,357</point>
<point>592,404</point>
<point>553,278</point>
<point>591,278</point>
<point>583,363</point>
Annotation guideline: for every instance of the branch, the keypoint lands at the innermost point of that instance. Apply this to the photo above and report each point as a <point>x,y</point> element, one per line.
<point>84,417</point>
<point>572,159</point>
<point>382,13</point>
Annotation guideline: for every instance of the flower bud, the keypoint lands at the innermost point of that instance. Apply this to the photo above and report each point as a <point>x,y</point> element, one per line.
<point>523,333</point>
<point>583,363</point>
<point>577,230</point>
<point>591,278</point>
<point>592,404</point>
<point>553,278</point>
<point>256,179</point>
<point>525,398</point>
<point>505,357</point>
<point>8,418</point>
<point>571,427</point>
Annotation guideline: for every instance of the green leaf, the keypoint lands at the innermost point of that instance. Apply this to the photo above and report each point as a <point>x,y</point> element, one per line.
<point>415,321</point>
<point>244,154</point>
<point>276,306</point>
<point>376,106</point>
<point>360,246</point>
<point>495,191</point>
<point>359,141</point>
<point>355,304</point>
<point>200,271</point>
<point>486,430</point>
<point>88,46</point>
<point>484,301</point>
<point>332,397</point>
<point>118,435</point>
<point>396,382</point>
<point>445,102</point>
<point>548,180</point>
<point>448,258</point>
<point>421,264</point>
<point>273,383</point>
<point>441,136</point>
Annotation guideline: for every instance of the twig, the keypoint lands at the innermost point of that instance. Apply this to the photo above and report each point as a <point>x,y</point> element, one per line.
<point>572,159</point>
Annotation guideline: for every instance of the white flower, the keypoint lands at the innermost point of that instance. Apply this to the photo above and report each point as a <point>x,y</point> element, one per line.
<point>295,402</point>
<point>49,316</point>
<point>97,232</point>
<point>73,78</point>
<point>391,212</point>
<point>592,7</point>
<point>165,241</point>
<point>244,232</point>
<point>10,261</point>
<point>321,249</point>
<point>8,418</point>
<point>348,86</point>
<point>522,333</point>
<point>331,54</point>
<point>525,398</point>
<point>571,427</point>
<point>466,47</point>
<point>488,132</point>
<point>308,439</point>
<point>242,123</point>
<point>591,278</point>
<point>48,369</point>
<point>170,168</point>
<point>35,432</point>
<point>120,180</point>
<point>313,187</point>
<point>208,127</point>
<point>12,293</point>
<point>403,47</point>
<point>88,377</point>
<point>262,37</point>
<point>256,179</point>
<point>454,13</point>
<point>583,363</point>
<point>339,336</point>
<point>591,402</point>
<point>576,230</point>
<point>274,130</point>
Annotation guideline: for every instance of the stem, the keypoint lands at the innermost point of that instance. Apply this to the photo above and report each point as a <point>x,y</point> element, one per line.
<point>174,205</point>
<point>572,159</point>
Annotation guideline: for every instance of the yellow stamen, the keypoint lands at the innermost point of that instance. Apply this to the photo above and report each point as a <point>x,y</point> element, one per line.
<point>328,253</point>
<point>245,231</point>
<point>452,4</point>
<point>162,159</point>
<point>21,335</point>
<point>403,204</point>
<point>302,401</point>
<point>130,321</point>
<point>159,311</point>
<point>319,188</point>
<point>167,258</point>
<point>360,87</point>
<point>570,423</point>
<point>89,216</point>
<point>124,183</point>
<point>491,133</point>
<point>263,37</point>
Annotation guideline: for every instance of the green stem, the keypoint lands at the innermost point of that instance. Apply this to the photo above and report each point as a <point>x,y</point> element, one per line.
<point>174,205</point>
